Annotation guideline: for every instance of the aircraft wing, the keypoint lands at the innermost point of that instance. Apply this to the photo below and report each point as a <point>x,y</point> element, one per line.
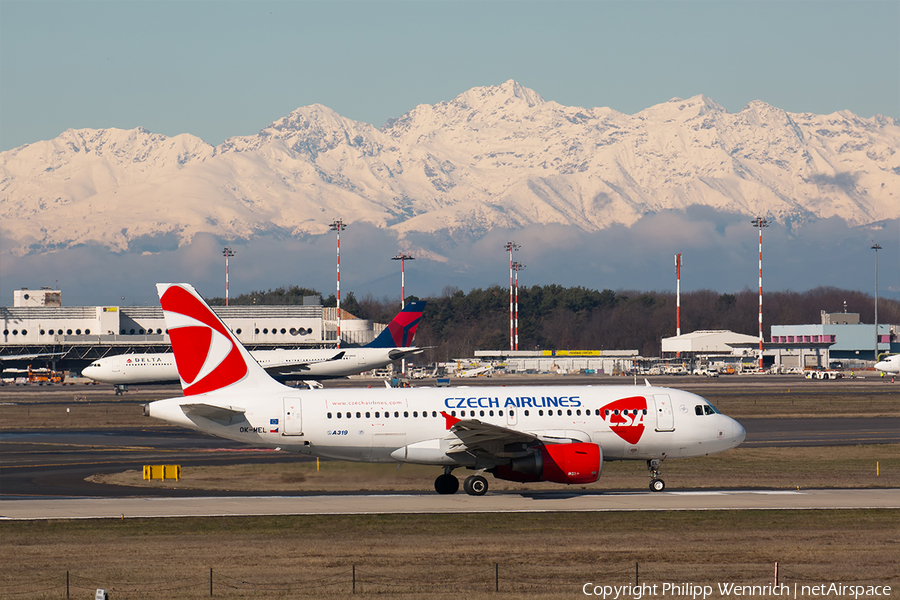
<point>7,357</point>
<point>475,437</point>
<point>297,368</point>
<point>224,415</point>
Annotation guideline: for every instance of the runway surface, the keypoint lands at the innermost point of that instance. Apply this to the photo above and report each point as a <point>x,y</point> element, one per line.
<point>43,472</point>
<point>561,501</point>
<point>56,463</point>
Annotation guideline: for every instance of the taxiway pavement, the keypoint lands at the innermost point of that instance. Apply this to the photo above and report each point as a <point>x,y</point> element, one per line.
<point>561,501</point>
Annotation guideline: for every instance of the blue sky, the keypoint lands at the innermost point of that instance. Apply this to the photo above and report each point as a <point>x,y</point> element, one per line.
<point>218,69</point>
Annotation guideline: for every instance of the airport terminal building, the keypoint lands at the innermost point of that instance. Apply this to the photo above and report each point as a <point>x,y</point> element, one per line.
<point>38,324</point>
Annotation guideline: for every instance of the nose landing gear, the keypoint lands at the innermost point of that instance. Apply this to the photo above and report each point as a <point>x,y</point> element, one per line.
<point>656,484</point>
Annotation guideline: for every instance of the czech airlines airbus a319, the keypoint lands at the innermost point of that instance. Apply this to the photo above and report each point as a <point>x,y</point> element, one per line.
<point>394,343</point>
<point>528,433</point>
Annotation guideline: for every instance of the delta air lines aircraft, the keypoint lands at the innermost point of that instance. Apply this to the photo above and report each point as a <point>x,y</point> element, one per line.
<point>394,343</point>
<point>528,433</point>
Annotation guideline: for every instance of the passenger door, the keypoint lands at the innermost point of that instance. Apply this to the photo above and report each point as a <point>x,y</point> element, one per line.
<point>665,417</point>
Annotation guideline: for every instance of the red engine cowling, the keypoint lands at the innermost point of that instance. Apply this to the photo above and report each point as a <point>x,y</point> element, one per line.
<point>560,463</point>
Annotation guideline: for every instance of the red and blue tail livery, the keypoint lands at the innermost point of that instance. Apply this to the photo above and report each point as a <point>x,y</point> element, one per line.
<point>401,332</point>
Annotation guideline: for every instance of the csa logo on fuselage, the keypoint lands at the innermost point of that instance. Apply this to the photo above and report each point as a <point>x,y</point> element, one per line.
<point>625,418</point>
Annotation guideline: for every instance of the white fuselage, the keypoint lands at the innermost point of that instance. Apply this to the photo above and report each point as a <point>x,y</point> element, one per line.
<point>406,425</point>
<point>125,369</point>
<point>889,365</point>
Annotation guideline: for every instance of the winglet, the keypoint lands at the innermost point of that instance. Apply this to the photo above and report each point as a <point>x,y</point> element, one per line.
<point>401,331</point>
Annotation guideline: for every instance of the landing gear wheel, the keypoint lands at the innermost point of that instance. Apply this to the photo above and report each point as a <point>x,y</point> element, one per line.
<point>475,485</point>
<point>656,484</point>
<point>446,484</point>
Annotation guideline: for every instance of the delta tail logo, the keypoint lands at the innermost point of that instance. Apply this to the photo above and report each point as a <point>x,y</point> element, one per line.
<point>401,331</point>
<point>625,418</point>
<point>206,357</point>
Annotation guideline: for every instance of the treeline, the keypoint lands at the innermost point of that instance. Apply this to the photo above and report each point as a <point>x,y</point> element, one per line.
<point>555,317</point>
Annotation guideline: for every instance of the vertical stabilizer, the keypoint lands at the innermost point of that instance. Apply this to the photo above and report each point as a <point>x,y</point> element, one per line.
<point>208,355</point>
<point>401,331</point>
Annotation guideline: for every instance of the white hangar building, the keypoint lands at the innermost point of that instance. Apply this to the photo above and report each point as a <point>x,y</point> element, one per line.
<point>716,341</point>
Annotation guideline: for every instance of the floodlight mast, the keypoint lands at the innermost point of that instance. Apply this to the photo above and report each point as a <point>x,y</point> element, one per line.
<point>227,253</point>
<point>678,297</point>
<point>338,226</point>
<point>678,294</point>
<point>759,223</point>
<point>510,247</point>
<point>876,248</point>
<point>402,257</point>
<point>517,266</point>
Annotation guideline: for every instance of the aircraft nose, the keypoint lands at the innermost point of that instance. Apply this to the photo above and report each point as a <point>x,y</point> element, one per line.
<point>738,432</point>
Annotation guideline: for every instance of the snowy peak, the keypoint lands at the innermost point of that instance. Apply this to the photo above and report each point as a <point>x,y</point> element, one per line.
<point>136,149</point>
<point>508,96</point>
<point>492,157</point>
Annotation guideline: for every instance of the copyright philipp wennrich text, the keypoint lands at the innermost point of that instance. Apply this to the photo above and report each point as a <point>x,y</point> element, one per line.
<point>695,591</point>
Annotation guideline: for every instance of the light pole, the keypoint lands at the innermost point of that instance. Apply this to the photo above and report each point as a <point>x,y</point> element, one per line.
<point>511,247</point>
<point>338,225</point>
<point>759,223</point>
<point>403,258</point>
<point>876,248</point>
<point>517,266</point>
<point>227,253</point>
<point>678,295</point>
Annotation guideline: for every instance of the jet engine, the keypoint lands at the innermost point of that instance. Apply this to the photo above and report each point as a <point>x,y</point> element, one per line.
<point>560,463</point>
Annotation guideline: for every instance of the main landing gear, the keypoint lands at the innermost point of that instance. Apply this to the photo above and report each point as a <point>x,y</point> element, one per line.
<point>656,484</point>
<point>474,485</point>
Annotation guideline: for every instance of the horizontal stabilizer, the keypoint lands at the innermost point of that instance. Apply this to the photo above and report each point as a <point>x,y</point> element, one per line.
<point>398,353</point>
<point>224,415</point>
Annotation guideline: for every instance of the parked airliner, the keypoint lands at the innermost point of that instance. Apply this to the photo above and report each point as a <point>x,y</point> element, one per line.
<point>890,365</point>
<point>561,434</point>
<point>394,343</point>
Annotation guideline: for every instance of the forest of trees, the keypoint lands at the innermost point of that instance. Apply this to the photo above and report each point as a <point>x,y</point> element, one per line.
<point>554,317</point>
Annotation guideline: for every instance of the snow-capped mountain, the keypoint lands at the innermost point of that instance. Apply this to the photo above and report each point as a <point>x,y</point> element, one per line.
<point>497,156</point>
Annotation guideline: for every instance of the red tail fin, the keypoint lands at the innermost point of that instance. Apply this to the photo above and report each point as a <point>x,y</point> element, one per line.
<point>208,356</point>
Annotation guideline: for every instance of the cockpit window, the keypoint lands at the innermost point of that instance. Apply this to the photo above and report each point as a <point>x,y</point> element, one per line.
<point>705,409</point>
<point>709,410</point>
<point>699,409</point>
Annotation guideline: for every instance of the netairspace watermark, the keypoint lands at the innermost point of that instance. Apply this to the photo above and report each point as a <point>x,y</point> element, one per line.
<point>702,592</point>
